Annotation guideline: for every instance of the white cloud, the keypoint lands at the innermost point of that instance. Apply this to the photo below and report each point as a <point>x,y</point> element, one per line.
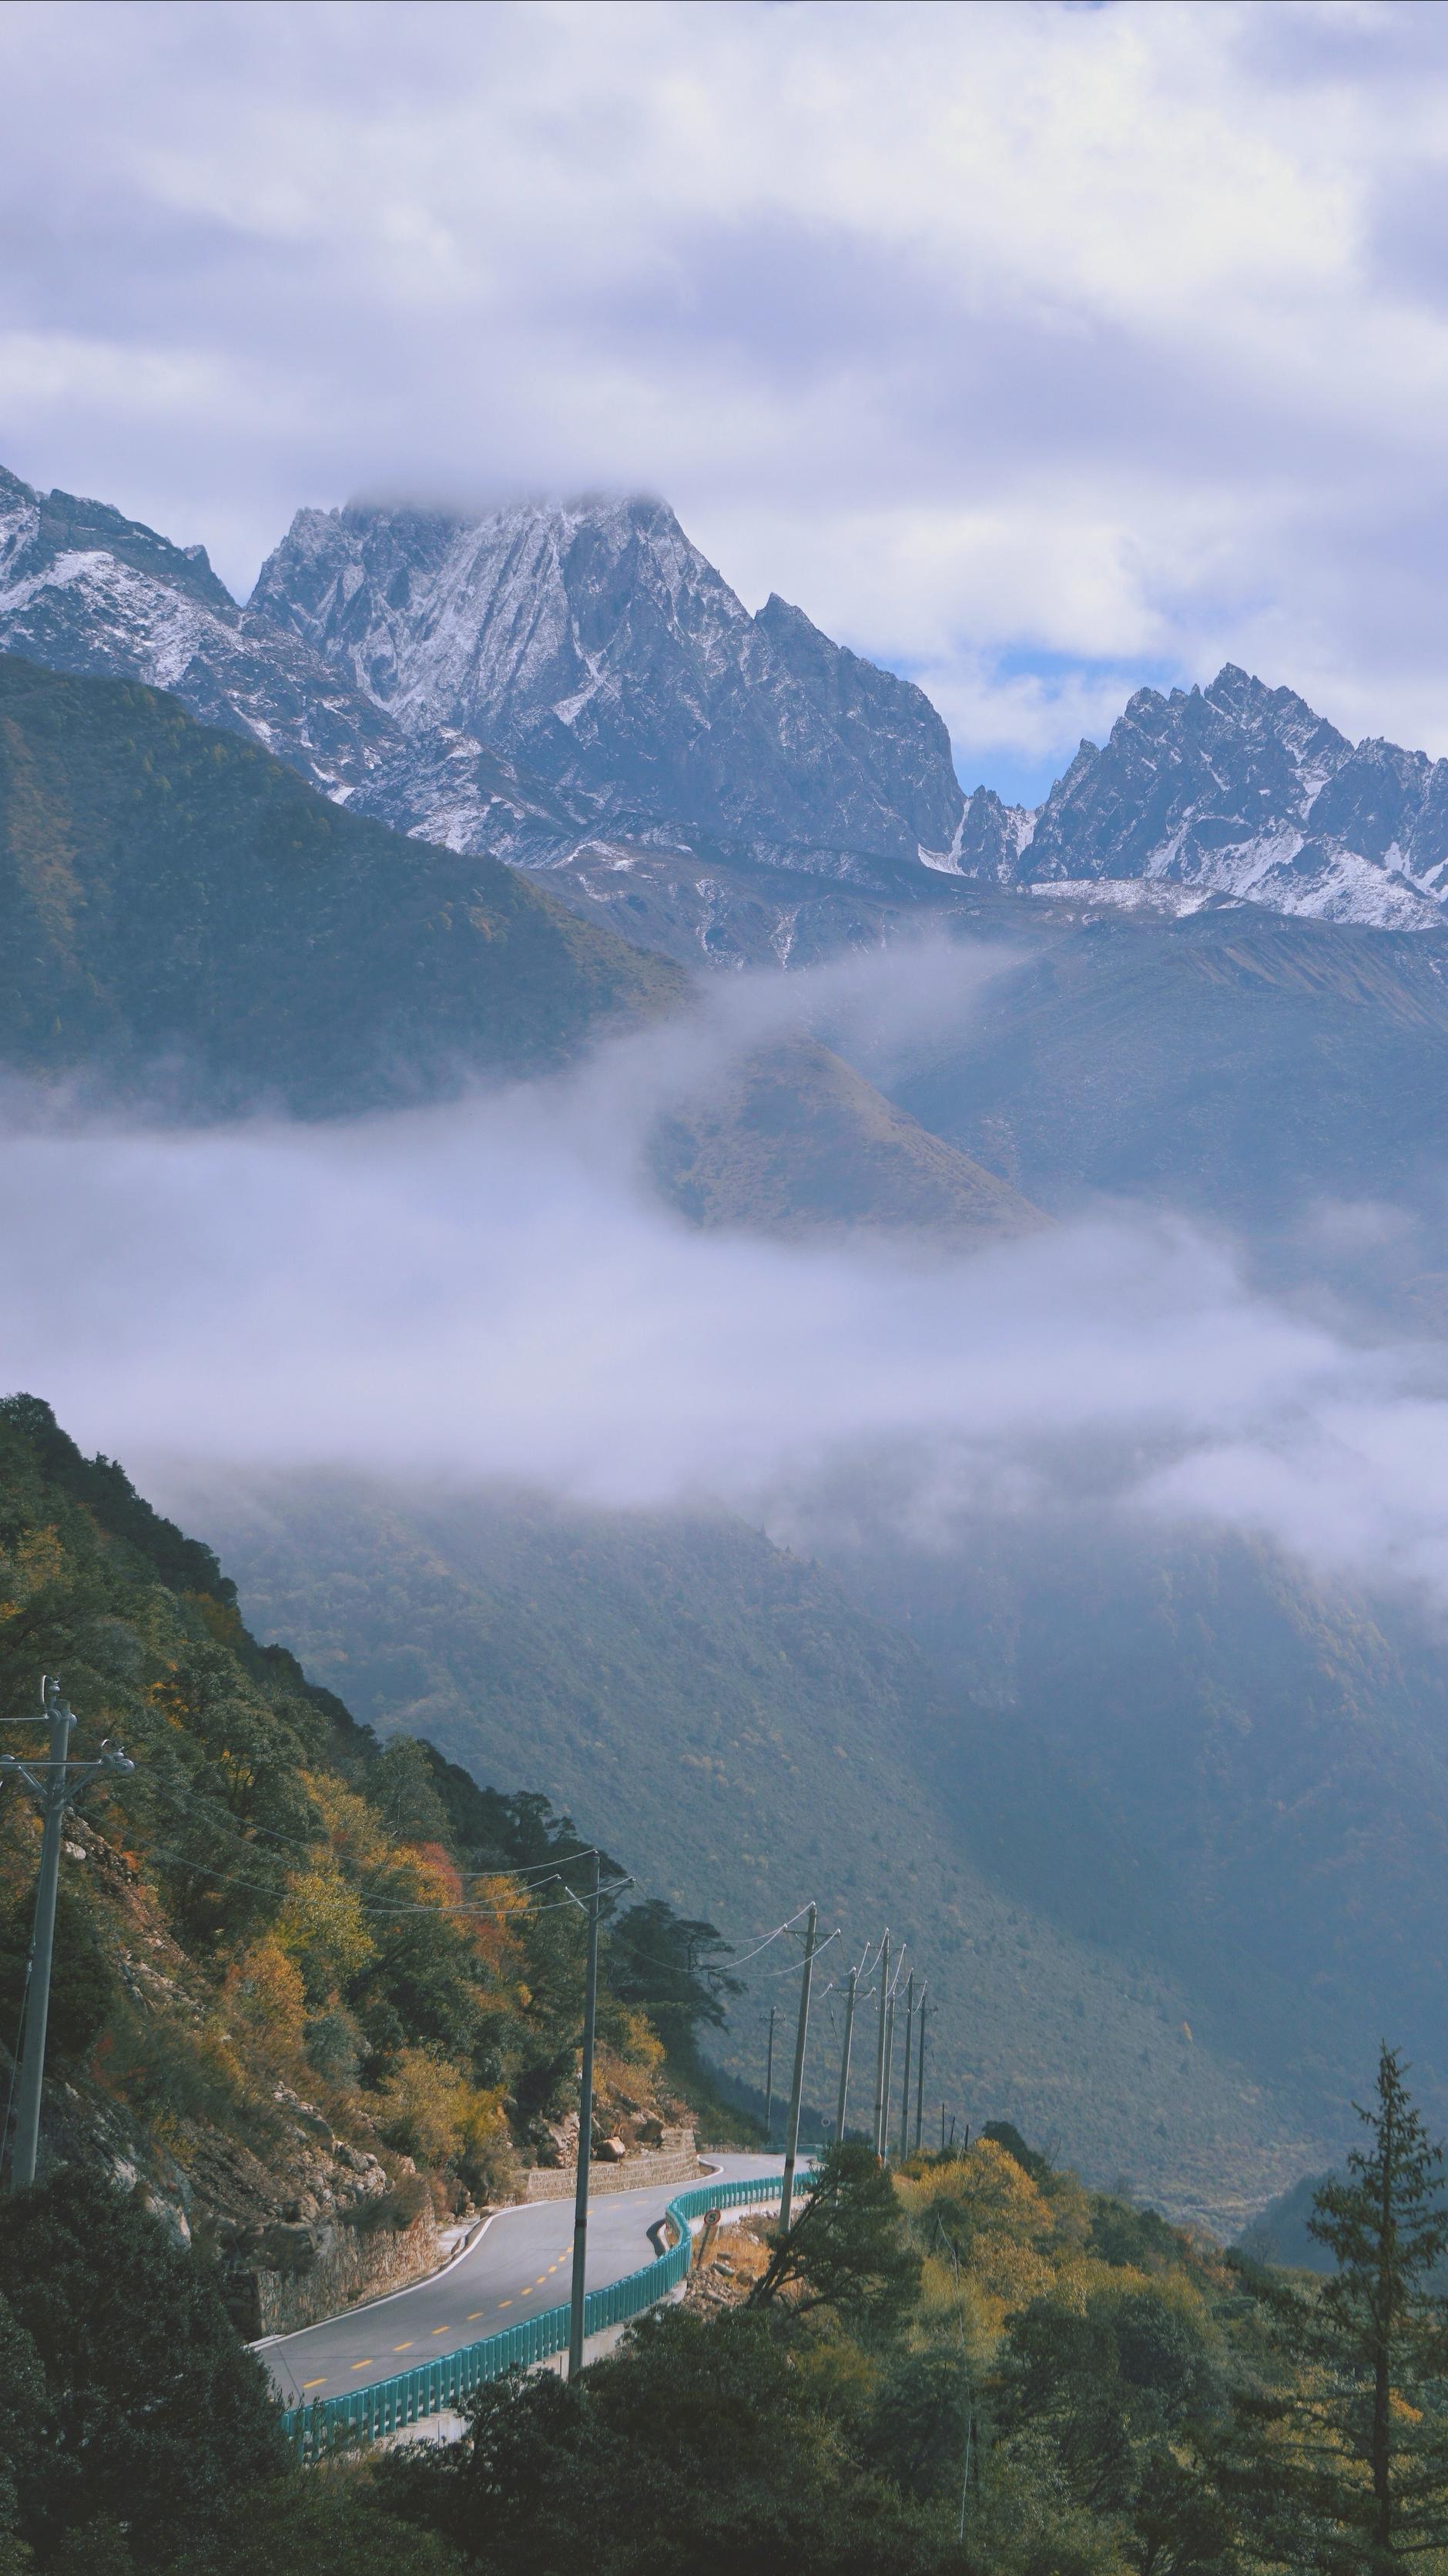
<point>1115,334</point>
<point>488,1292</point>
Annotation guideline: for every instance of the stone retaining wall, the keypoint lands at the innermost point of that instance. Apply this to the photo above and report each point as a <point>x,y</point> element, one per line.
<point>349,2268</point>
<point>674,2163</point>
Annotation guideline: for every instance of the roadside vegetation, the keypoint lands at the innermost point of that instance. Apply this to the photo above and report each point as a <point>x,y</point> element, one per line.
<point>970,2367</point>
<point>310,1991</point>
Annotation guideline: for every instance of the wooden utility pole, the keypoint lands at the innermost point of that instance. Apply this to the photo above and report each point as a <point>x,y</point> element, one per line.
<point>786,2200</point>
<point>920,2074</point>
<point>769,2082</point>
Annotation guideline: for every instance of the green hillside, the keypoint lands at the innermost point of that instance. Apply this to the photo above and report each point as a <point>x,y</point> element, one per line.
<point>1235,1063</point>
<point>1200,1751</point>
<point>305,1997</point>
<point>737,1713</point>
<point>181,916</point>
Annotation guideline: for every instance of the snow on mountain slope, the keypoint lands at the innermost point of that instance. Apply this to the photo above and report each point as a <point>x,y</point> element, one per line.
<point>84,590</point>
<point>1241,790</point>
<point>594,643</point>
<point>546,682</point>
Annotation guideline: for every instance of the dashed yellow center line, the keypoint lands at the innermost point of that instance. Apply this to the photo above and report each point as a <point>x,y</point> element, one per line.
<point>363,2365</point>
<point>442,2330</point>
<point>542,2277</point>
<point>503,2303</point>
<point>314,2383</point>
<point>527,2294</point>
<point>477,2312</point>
<point>402,2347</point>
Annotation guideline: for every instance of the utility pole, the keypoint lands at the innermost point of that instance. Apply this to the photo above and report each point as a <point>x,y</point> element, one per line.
<point>52,1783</point>
<point>769,2083</point>
<point>889,2077</point>
<point>585,2135</point>
<point>845,2057</point>
<point>920,2075</point>
<point>905,2087</point>
<point>877,2127</point>
<point>786,2198</point>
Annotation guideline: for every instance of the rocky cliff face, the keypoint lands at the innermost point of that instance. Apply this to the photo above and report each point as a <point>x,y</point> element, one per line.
<point>1241,790</point>
<point>574,686</point>
<point>594,644</point>
<point>84,590</point>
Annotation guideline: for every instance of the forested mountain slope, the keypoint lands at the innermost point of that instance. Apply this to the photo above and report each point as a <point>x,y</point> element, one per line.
<point>184,922</point>
<point>738,1710</point>
<point>306,1996</point>
<point>1233,1064</point>
<point>173,898</point>
<point>1189,1746</point>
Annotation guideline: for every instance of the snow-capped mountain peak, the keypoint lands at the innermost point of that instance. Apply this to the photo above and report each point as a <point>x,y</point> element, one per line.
<point>1243,790</point>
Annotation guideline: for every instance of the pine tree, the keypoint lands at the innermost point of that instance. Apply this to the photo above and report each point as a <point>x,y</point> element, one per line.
<point>1344,2466</point>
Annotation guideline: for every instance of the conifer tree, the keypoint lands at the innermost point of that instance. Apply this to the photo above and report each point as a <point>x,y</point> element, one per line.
<point>1344,2467</point>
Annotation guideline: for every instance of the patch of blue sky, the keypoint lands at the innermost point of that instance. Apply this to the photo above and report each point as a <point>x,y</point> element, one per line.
<point>1017,716</point>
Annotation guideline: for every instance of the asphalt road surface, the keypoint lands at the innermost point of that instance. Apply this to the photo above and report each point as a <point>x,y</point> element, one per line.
<point>521,2260</point>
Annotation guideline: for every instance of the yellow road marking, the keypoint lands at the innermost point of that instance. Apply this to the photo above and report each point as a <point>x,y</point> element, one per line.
<point>315,2383</point>
<point>503,2303</point>
<point>363,2365</point>
<point>402,2347</point>
<point>542,2277</point>
<point>477,2312</point>
<point>440,2330</point>
<point>528,2294</point>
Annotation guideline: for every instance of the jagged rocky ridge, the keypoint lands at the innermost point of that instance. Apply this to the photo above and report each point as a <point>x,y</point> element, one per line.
<point>1237,790</point>
<point>512,686</point>
<point>574,686</point>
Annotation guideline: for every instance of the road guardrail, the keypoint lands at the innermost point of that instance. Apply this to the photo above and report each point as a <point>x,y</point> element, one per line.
<point>390,2405</point>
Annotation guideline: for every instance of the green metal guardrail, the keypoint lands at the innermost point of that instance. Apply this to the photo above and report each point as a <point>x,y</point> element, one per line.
<point>389,2404</point>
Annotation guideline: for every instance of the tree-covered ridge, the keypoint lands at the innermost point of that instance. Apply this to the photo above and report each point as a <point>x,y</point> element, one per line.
<point>277,1926</point>
<point>181,913</point>
<point>615,1657</point>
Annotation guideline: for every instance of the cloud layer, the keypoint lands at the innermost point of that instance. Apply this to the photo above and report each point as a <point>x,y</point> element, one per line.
<point>1037,349</point>
<point>488,1292</point>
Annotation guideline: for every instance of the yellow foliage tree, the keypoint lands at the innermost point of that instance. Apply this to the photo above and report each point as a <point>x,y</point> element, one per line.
<point>431,2111</point>
<point>263,2001</point>
<point>322,1926</point>
<point>982,2213</point>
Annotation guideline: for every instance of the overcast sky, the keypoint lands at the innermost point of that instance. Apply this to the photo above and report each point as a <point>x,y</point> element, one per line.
<point>1037,349</point>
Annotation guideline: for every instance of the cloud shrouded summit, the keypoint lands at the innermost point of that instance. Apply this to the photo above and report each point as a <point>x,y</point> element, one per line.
<point>1038,352</point>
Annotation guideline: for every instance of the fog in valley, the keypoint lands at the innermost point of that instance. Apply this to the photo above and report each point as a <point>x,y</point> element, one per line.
<point>490,1291</point>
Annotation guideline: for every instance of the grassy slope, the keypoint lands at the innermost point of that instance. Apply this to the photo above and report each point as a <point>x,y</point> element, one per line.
<point>729,1713</point>
<point>799,1141</point>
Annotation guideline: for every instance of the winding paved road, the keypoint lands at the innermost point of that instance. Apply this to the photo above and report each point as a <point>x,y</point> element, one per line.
<point>521,2259</point>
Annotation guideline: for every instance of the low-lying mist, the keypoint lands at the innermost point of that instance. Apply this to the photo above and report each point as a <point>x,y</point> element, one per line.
<point>490,1291</point>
